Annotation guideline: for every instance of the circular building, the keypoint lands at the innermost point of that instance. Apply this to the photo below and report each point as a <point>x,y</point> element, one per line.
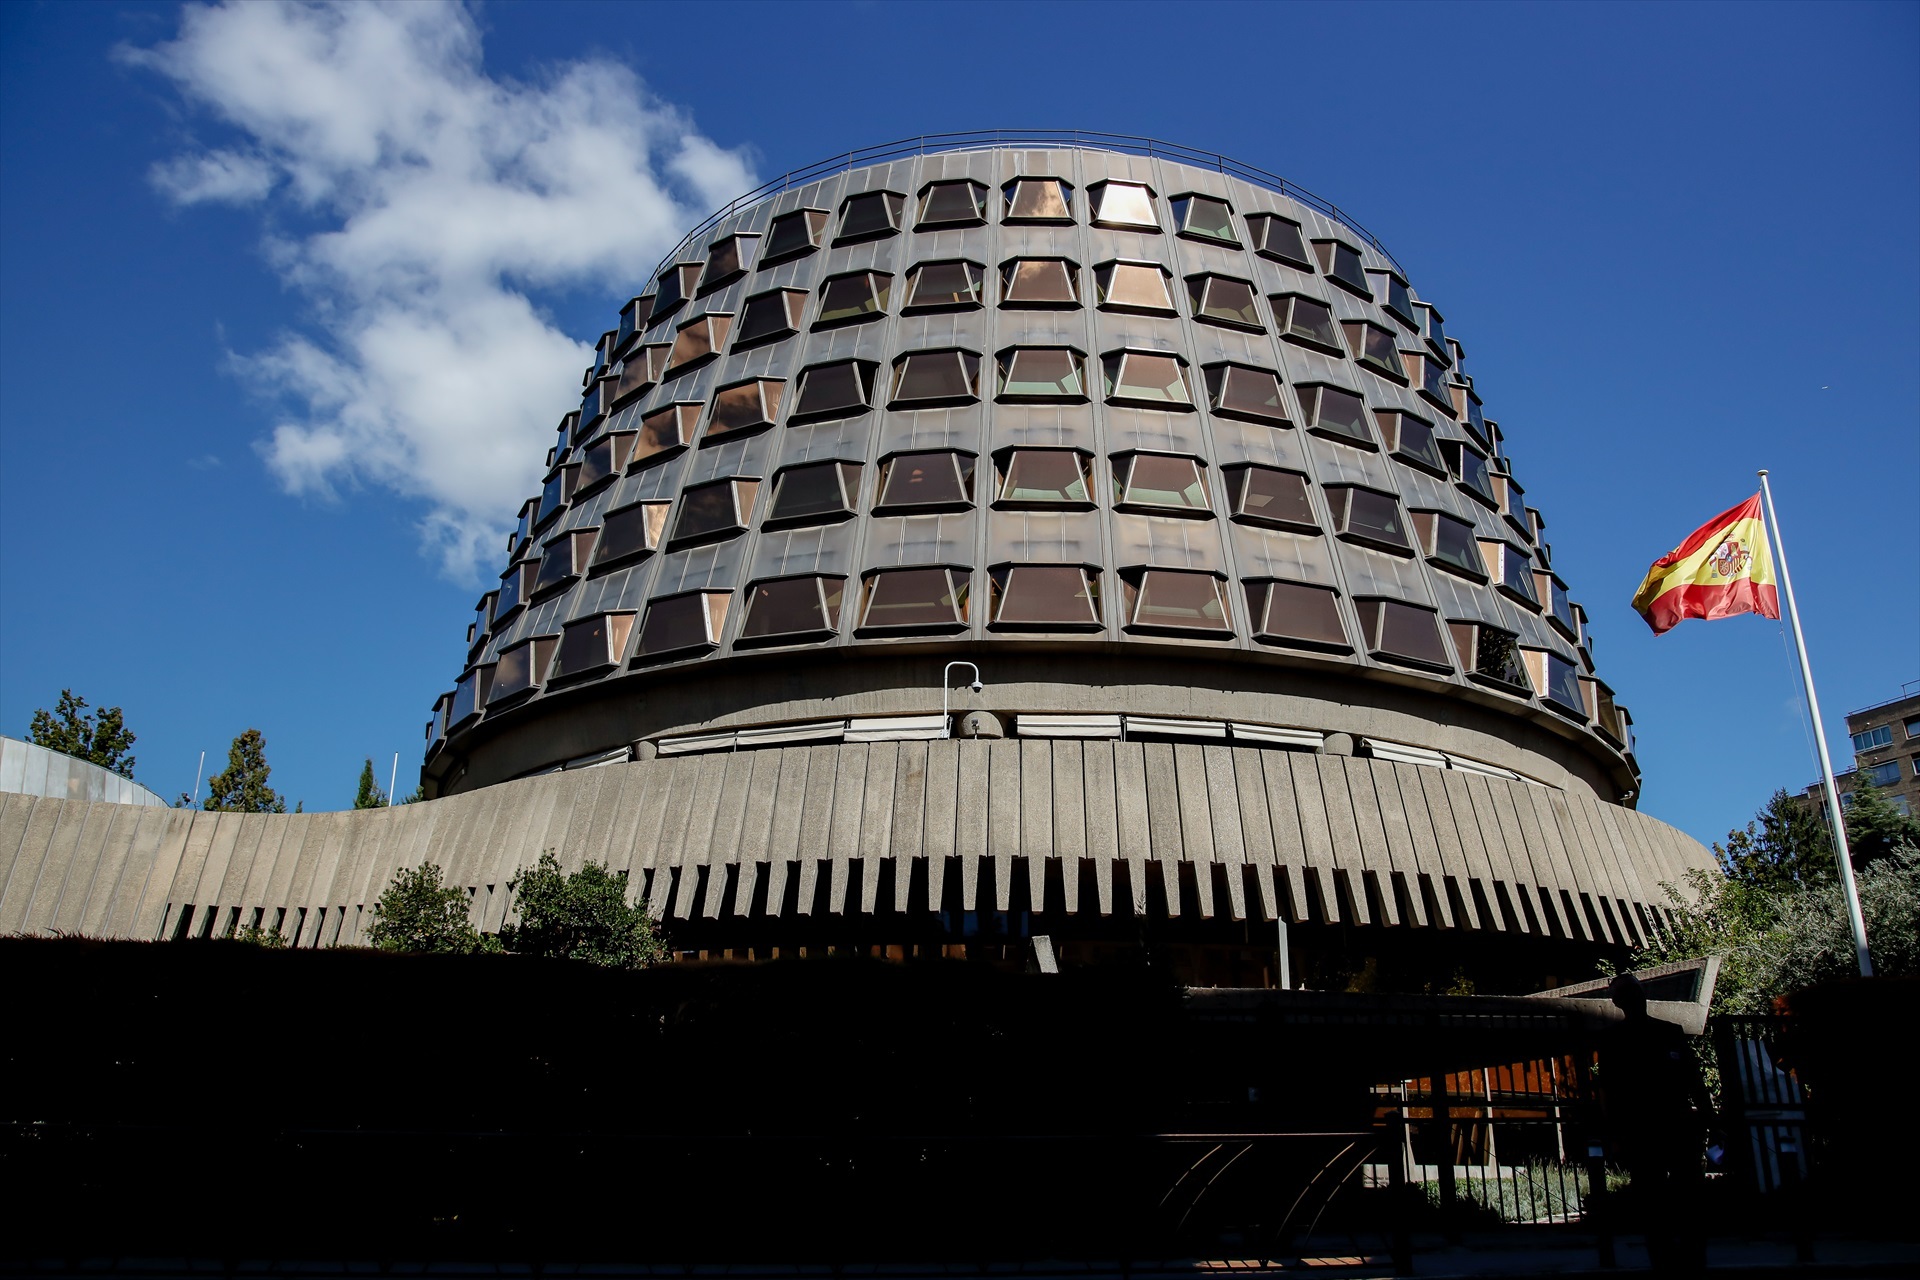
<point>1071,537</point>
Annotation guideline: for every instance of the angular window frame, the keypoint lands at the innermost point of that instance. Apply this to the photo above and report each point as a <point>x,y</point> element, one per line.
<point>633,322</point>
<point>650,517</point>
<point>847,475</point>
<point>1004,587</point>
<point>1265,594</point>
<point>1376,613</point>
<point>1009,277</point>
<point>1183,207</point>
<point>879,295</point>
<point>1392,297</point>
<point>741,495</point>
<point>1239,479</point>
<point>864,371</point>
<point>1429,380</point>
<point>958,598</point>
<point>829,597</point>
<point>1344,504</point>
<point>1128,495</point>
<point>614,449</point>
<point>1006,460</point>
<point>1399,431</point>
<point>1556,604</point>
<point>1137,583</point>
<point>1510,570</point>
<point>1349,272</point>
<point>1264,240</point>
<point>1010,196</point>
<point>1313,401</point>
<point>1203,307</point>
<point>976,271</point>
<point>1462,556</point>
<point>1480,647</point>
<point>673,288</point>
<point>1105,273</point>
<point>1222,377</point>
<point>664,432</point>
<point>759,398</point>
<point>556,493</point>
<point>934,363</point>
<point>1006,364</point>
<point>893,202</point>
<point>1603,712</point>
<point>978,218</point>
<point>520,670</point>
<point>1556,682</point>
<point>1476,481</point>
<point>963,466</point>
<point>473,688</point>
<point>785,304</point>
<point>698,342</point>
<point>722,268</point>
<point>1117,390</point>
<point>1433,331</point>
<point>815,222</point>
<point>578,657</point>
<point>507,603</point>
<point>708,611</point>
<point>563,561</point>
<point>1326,340</point>
<point>1097,210</point>
<point>1374,348</point>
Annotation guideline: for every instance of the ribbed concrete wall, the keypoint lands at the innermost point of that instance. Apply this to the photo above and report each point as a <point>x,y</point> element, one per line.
<point>1277,821</point>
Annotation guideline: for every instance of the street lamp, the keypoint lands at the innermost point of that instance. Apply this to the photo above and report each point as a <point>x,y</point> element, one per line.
<point>946,677</point>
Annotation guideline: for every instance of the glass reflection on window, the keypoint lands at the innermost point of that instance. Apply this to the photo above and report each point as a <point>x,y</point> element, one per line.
<point>1135,286</point>
<point>1147,378</point>
<point>1039,200</point>
<point>1124,204</point>
<point>926,480</point>
<point>1043,373</point>
<point>793,607</point>
<point>919,598</point>
<point>1046,477</point>
<point>1178,600</point>
<point>1293,611</point>
<point>1236,391</point>
<point>942,285</point>
<point>1160,480</point>
<point>1204,217</point>
<point>1045,595</point>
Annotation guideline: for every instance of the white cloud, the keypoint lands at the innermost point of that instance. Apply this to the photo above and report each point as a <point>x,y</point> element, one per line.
<point>444,198</point>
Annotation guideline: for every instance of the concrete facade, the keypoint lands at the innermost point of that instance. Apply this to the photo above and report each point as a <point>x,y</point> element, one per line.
<point>27,769</point>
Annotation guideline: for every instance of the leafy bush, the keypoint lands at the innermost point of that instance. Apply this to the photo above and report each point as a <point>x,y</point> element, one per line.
<point>255,935</point>
<point>417,913</point>
<point>583,916</point>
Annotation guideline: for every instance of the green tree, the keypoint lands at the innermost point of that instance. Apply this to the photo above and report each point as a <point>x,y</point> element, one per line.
<point>583,916</point>
<point>1874,827</point>
<point>242,786</point>
<point>1785,845</point>
<point>370,796</point>
<point>416,912</point>
<point>104,740</point>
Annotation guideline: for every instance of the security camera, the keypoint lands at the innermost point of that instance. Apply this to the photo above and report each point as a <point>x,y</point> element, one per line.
<point>976,686</point>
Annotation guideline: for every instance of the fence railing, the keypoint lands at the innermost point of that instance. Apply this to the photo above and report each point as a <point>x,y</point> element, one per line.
<point>1006,139</point>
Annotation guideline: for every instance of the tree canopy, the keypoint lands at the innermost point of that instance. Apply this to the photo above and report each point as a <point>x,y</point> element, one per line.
<point>369,796</point>
<point>1875,829</point>
<point>583,916</point>
<point>1785,845</point>
<point>242,786</point>
<point>415,912</point>
<point>104,739</point>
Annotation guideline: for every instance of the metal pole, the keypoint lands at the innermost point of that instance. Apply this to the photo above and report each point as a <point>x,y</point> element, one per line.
<point>1840,849</point>
<point>946,674</point>
<point>394,777</point>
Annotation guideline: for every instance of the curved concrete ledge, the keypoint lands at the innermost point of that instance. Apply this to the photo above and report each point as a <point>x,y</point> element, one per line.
<point>1252,833</point>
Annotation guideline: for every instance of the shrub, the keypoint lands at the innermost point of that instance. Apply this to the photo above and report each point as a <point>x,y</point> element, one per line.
<point>417,913</point>
<point>583,916</point>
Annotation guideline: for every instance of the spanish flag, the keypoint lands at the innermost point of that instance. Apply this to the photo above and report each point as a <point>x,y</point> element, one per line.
<point>1723,568</point>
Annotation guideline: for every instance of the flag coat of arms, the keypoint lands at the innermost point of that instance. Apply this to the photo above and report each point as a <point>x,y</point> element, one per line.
<point>1723,568</point>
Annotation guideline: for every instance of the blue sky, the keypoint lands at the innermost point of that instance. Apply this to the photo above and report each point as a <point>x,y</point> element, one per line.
<point>281,295</point>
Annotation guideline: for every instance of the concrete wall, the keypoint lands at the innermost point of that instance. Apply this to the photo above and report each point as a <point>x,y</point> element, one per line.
<point>30,770</point>
<point>697,833</point>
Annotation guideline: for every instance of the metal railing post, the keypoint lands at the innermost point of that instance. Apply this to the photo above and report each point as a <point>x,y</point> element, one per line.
<point>1397,1190</point>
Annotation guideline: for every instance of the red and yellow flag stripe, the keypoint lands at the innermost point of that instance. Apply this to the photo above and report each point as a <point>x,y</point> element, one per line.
<point>1723,568</point>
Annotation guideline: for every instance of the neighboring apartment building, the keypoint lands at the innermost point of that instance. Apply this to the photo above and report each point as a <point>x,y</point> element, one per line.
<point>1886,747</point>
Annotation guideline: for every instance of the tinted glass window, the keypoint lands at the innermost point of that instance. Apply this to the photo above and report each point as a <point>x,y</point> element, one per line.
<point>833,389</point>
<point>770,315</point>
<point>953,204</point>
<point>1205,217</point>
<point>1473,474</point>
<point>794,233</point>
<point>936,376</point>
<point>673,288</point>
<point>874,213</point>
<point>665,430</point>
<point>1179,600</point>
<point>1342,263</point>
<point>1399,303</point>
<point>916,598</point>
<point>726,261</point>
<point>1435,329</point>
<point>592,643</point>
<point>510,585</point>
<point>1046,476</point>
<point>792,607</point>
<point>1039,199</point>
<point>1412,440</point>
<point>1453,543</point>
<point>1309,615</point>
<point>699,341</point>
<point>1496,655</point>
<point>1133,286</point>
<point>1372,345</point>
<point>1042,372</point>
<point>1563,684</point>
<point>1402,631</point>
<point>861,296</point>
<point>725,506</point>
<point>1123,204</point>
<point>1154,379</point>
<point>1224,300</point>
<point>1266,495</point>
<point>1038,282</point>
<point>1339,413</point>
<point>1559,606</point>
<point>1236,391</point>
<point>553,496</point>
<point>556,564</point>
<point>630,531</point>
<point>944,284</point>
<point>680,623</point>
<point>1276,237</point>
<point>1154,479</point>
<point>513,672</point>
<point>1515,571</point>
<point>1305,318</point>
<point>749,405</point>
<point>926,479</point>
<point>1433,383</point>
<point>600,462</point>
<point>1045,595</point>
<point>1365,514</point>
<point>814,490</point>
<point>466,698</point>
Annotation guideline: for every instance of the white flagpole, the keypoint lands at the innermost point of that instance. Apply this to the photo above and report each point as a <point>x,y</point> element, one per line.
<point>1841,851</point>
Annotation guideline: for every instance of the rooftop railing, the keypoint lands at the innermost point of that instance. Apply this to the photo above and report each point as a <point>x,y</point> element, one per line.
<point>998,139</point>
